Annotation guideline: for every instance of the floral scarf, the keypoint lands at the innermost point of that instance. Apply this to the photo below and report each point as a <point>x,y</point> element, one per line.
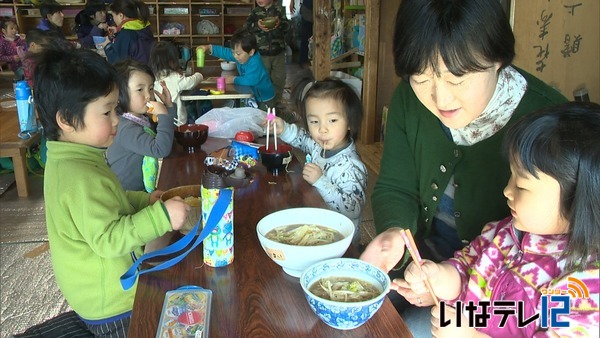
<point>510,89</point>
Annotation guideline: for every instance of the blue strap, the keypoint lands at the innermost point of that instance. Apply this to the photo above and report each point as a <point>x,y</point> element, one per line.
<point>128,278</point>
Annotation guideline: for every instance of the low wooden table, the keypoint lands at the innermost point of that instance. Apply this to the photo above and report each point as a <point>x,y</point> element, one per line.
<point>253,296</point>
<point>12,146</point>
<point>210,73</point>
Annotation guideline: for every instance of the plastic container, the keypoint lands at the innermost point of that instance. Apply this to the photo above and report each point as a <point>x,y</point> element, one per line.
<point>25,107</point>
<point>185,313</point>
<point>98,40</point>
<point>221,84</point>
<point>199,57</point>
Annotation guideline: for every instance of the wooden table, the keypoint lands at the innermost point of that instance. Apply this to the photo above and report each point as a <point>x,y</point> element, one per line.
<point>252,297</point>
<point>12,146</point>
<point>210,73</point>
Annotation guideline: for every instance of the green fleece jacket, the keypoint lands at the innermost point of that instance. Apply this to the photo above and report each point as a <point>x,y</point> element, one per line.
<point>419,159</point>
<point>93,228</point>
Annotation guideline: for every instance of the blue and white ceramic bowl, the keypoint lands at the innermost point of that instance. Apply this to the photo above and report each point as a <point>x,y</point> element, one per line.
<point>340,315</point>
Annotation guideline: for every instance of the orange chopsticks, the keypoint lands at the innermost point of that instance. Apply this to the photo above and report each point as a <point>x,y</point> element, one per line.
<point>409,241</point>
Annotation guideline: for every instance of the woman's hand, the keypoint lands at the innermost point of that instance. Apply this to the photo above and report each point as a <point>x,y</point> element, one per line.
<point>103,26</point>
<point>385,250</point>
<point>311,173</point>
<point>178,211</point>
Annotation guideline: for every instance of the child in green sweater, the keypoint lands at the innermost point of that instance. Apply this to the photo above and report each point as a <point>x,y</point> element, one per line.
<point>95,228</point>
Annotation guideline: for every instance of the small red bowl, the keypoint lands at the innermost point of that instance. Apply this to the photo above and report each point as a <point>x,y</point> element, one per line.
<point>245,136</point>
<point>191,136</point>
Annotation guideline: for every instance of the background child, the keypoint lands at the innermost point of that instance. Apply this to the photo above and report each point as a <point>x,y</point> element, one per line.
<point>270,42</point>
<point>93,224</point>
<point>91,21</point>
<point>333,114</point>
<point>133,36</point>
<point>12,47</point>
<point>164,61</point>
<point>136,142</point>
<point>37,41</point>
<point>250,68</point>
<point>553,233</point>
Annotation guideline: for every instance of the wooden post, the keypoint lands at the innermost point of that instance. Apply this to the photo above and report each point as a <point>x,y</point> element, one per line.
<point>321,39</point>
<point>369,87</point>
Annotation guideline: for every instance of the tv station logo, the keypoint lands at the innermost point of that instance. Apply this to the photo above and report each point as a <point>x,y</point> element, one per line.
<point>478,313</point>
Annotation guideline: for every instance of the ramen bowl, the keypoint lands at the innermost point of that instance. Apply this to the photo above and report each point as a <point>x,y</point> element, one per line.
<point>295,258</point>
<point>228,65</point>
<point>338,314</point>
<point>192,194</point>
<point>275,160</point>
<point>191,136</point>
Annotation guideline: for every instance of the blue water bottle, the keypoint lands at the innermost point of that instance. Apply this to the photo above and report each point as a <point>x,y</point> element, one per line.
<point>25,107</point>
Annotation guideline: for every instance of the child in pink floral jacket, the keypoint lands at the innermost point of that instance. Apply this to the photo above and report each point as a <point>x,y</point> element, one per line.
<point>536,273</point>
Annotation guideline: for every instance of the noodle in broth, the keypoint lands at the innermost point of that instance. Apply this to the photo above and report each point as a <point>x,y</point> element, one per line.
<point>304,235</point>
<point>344,289</point>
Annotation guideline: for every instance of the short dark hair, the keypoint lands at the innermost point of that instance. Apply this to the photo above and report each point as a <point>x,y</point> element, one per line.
<point>4,23</point>
<point>164,57</point>
<point>125,68</point>
<point>49,7</point>
<point>563,142</point>
<point>133,9</point>
<point>336,89</point>
<point>37,36</point>
<point>62,85</point>
<point>467,34</point>
<point>245,39</point>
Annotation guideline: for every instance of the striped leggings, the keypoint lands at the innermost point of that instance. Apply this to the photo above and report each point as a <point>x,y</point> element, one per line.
<point>70,325</point>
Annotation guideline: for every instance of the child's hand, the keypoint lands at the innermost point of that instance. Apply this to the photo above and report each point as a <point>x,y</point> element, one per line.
<point>205,48</point>
<point>385,250</point>
<point>178,211</point>
<point>165,96</point>
<point>311,172</point>
<point>451,330</point>
<point>413,287</point>
<point>417,299</point>
<point>158,108</point>
<point>155,196</point>
<point>278,121</point>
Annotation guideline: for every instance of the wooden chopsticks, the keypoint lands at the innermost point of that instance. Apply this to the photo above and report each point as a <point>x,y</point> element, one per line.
<point>409,241</point>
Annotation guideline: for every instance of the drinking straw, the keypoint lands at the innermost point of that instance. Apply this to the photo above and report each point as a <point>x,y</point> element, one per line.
<point>416,256</point>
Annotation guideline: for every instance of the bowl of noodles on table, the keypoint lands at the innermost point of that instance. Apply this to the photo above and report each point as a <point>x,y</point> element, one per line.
<point>344,292</point>
<point>300,237</point>
<point>190,195</point>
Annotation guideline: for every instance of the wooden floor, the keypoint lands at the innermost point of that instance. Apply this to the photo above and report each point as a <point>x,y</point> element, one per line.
<point>370,154</point>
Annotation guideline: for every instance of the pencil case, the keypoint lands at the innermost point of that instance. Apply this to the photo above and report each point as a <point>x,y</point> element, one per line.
<point>185,313</point>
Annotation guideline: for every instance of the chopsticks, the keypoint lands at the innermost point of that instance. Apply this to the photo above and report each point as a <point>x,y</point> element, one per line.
<point>409,241</point>
<point>271,119</point>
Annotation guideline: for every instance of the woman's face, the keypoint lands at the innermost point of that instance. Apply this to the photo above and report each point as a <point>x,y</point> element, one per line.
<point>57,18</point>
<point>455,100</point>
<point>100,16</point>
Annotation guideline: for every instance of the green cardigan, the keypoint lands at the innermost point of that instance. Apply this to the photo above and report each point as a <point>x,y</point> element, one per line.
<point>93,228</point>
<point>419,159</point>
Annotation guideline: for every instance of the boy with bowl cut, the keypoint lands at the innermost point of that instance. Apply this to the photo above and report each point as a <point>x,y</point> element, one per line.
<point>251,71</point>
<point>95,228</point>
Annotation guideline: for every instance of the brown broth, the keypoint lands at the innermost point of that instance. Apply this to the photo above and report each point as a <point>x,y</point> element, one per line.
<point>288,234</point>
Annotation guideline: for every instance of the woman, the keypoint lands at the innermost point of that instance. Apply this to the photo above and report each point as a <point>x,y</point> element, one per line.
<point>442,171</point>
<point>52,17</point>
<point>91,21</point>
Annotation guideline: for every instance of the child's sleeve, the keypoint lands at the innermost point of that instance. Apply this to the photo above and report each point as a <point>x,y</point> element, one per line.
<point>222,53</point>
<point>135,139</point>
<point>252,76</point>
<point>298,137</point>
<point>251,21</point>
<point>584,313</point>
<point>190,82</point>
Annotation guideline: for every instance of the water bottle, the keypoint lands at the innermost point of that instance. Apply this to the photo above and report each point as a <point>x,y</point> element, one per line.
<point>200,57</point>
<point>25,107</point>
<point>218,245</point>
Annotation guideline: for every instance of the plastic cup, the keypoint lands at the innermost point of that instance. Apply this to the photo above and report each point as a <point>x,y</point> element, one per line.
<point>98,40</point>
<point>199,57</point>
<point>221,84</point>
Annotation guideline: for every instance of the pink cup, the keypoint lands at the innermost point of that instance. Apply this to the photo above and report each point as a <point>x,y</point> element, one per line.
<point>221,84</point>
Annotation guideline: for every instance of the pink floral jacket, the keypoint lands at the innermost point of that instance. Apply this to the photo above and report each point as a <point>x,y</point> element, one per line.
<point>496,266</point>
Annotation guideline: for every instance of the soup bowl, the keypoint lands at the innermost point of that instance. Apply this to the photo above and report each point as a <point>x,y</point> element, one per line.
<point>345,315</point>
<point>191,136</point>
<point>184,192</point>
<point>295,258</point>
<point>275,160</point>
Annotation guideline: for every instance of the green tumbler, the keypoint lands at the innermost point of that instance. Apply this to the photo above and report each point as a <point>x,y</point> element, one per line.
<point>199,57</point>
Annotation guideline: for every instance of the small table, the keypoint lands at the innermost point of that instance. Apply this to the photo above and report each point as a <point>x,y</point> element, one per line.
<point>12,146</point>
<point>210,73</point>
<point>253,296</point>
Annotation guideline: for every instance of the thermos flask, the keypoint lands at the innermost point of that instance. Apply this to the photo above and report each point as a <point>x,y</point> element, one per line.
<point>218,245</point>
<point>25,107</point>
